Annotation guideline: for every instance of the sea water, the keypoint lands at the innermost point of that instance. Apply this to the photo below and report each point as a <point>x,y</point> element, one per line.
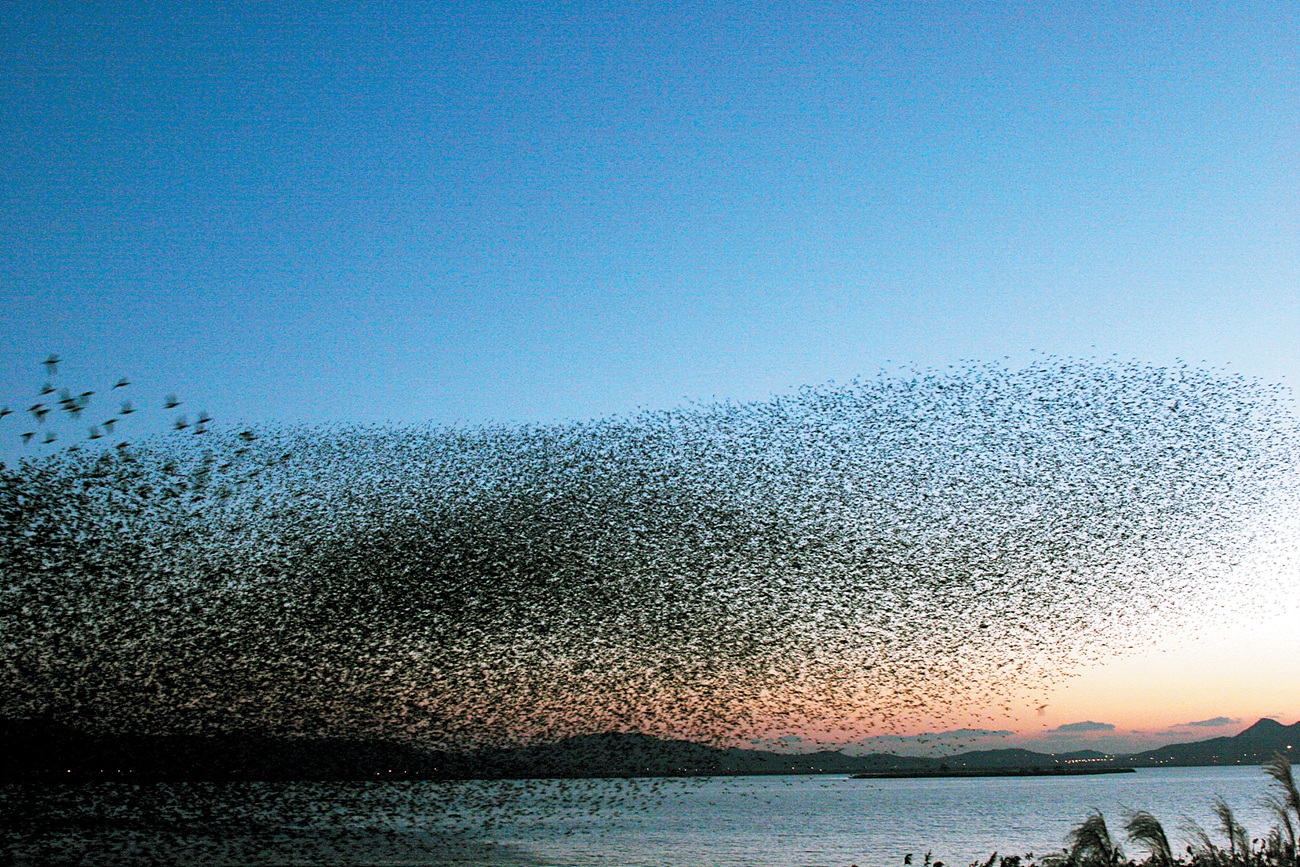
<point>799,821</point>
<point>779,821</point>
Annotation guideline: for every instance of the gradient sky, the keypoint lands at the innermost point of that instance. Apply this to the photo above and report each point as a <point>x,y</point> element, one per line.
<point>468,212</point>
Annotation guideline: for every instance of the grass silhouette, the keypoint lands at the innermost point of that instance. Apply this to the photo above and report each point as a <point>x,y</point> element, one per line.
<point>1090,843</point>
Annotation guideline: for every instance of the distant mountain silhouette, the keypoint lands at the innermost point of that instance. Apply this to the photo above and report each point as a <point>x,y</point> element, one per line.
<point>45,749</point>
<point>1250,747</point>
<point>31,749</point>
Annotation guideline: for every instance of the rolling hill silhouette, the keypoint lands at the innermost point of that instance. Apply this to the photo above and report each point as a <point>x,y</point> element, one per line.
<point>43,749</point>
<point>1249,747</point>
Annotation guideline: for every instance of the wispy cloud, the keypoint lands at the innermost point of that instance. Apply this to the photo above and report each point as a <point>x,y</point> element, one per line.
<point>783,739</point>
<point>1079,727</point>
<point>1210,723</point>
<point>977,733</point>
<point>944,742</point>
<point>934,736</point>
<point>930,743</point>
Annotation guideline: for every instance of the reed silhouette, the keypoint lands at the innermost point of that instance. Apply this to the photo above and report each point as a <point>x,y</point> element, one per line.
<point>1089,844</point>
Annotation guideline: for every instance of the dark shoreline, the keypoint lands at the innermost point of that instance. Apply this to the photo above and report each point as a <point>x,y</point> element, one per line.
<point>991,772</point>
<point>52,752</point>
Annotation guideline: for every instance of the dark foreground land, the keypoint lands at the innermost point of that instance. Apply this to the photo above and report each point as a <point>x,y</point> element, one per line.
<point>1050,771</point>
<point>46,750</point>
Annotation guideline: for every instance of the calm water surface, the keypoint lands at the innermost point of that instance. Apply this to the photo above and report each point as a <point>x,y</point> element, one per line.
<point>796,821</point>
<point>822,820</point>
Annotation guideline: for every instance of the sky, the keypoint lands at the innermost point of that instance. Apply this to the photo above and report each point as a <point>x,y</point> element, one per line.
<point>497,212</point>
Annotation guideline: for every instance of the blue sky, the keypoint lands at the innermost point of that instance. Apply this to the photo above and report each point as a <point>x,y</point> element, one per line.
<point>461,212</point>
<point>457,212</point>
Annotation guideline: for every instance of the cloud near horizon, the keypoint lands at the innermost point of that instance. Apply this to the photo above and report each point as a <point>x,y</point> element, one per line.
<point>881,740</point>
<point>978,733</point>
<point>933,744</point>
<point>929,736</point>
<point>1209,723</point>
<point>1085,726</point>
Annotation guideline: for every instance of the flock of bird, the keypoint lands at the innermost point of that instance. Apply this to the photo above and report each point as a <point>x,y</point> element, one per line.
<point>58,423</point>
<point>845,560</point>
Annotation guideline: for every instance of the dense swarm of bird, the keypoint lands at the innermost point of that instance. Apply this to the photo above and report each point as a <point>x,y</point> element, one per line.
<point>860,555</point>
<point>847,558</point>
